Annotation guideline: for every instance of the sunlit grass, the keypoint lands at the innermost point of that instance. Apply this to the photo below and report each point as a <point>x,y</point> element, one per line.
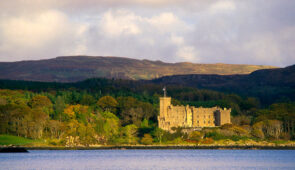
<point>14,140</point>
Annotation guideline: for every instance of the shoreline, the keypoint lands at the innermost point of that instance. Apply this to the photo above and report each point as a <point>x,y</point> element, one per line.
<point>159,147</point>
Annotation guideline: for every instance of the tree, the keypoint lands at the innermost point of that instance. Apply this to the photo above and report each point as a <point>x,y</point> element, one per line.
<point>110,125</point>
<point>132,116</point>
<point>86,134</point>
<point>147,139</point>
<point>268,128</point>
<point>158,133</point>
<point>39,118</point>
<point>130,133</point>
<point>144,123</point>
<point>40,101</point>
<point>87,100</point>
<point>148,110</point>
<point>108,103</point>
<point>55,128</point>
<point>59,107</point>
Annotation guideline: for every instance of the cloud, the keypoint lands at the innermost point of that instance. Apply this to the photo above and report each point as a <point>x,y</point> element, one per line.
<point>187,53</point>
<point>35,30</point>
<point>116,23</point>
<point>211,31</point>
<point>167,22</point>
<point>222,6</point>
<point>134,35</point>
<point>177,40</point>
<point>37,34</point>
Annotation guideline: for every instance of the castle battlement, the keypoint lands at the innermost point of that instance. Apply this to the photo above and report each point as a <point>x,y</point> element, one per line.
<point>189,116</point>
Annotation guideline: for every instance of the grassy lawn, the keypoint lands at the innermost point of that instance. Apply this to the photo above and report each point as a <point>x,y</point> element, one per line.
<point>14,140</point>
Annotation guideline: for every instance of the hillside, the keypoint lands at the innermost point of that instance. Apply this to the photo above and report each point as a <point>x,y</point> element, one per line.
<point>269,84</point>
<point>267,77</point>
<point>78,68</point>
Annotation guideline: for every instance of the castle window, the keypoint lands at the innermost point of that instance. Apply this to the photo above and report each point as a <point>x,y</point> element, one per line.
<point>197,121</point>
<point>208,122</point>
<point>204,122</point>
<point>209,116</point>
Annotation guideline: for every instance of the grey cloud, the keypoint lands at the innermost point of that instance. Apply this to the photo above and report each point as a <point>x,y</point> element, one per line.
<point>227,31</point>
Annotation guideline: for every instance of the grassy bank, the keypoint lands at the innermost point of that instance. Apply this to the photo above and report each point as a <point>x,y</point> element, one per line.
<point>8,140</point>
<point>16,140</point>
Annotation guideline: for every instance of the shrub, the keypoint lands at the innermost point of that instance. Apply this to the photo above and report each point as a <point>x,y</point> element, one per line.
<point>258,133</point>
<point>227,126</point>
<point>208,141</point>
<point>285,136</point>
<point>214,135</point>
<point>237,138</point>
<point>195,136</point>
<point>241,120</point>
<point>272,129</point>
<point>147,139</point>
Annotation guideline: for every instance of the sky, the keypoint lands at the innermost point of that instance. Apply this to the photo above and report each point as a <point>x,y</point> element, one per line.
<point>260,32</point>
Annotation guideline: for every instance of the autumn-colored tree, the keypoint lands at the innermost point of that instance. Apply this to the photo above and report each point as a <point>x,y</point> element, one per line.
<point>108,103</point>
<point>86,134</point>
<point>77,111</point>
<point>268,128</point>
<point>40,101</point>
<point>56,128</point>
<point>39,118</point>
<point>147,139</point>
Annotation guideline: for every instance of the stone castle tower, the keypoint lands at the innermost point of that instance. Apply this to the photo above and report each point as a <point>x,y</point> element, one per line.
<point>190,117</point>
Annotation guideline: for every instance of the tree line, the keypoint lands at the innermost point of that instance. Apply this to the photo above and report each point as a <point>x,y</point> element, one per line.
<point>100,111</point>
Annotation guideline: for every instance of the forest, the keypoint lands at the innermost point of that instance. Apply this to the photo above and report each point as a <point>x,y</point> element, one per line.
<point>123,112</point>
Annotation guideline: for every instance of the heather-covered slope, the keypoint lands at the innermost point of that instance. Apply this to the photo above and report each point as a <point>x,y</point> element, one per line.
<point>77,68</point>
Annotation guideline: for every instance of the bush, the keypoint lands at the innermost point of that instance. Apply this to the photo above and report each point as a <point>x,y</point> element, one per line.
<point>147,139</point>
<point>195,136</point>
<point>237,138</point>
<point>208,141</point>
<point>241,120</point>
<point>258,133</point>
<point>214,135</point>
<point>227,126</point>
<point>285,136</point>
<point>272,129</point>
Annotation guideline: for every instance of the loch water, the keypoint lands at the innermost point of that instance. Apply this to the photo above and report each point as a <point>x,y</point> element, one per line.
<point>149,159</point>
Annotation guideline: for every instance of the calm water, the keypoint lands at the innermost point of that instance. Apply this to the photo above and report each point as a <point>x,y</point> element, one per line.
<point>150,159</point>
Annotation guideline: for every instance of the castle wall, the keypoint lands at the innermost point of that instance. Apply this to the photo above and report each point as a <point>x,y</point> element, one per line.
<point>203,117</point>
<point>177,116</point>
<point>225,116</point>
<point>190,117</point>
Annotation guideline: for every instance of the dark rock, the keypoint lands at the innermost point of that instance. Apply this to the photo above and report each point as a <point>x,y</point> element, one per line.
<point>12,150</point>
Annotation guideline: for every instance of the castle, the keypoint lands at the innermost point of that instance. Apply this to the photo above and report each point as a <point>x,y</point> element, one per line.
<point>190,117</point>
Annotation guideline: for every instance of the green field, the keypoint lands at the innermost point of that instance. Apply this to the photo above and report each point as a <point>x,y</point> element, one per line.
<point>14,140</point>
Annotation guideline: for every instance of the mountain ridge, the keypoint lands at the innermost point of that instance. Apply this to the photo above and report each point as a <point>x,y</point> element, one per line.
<point>78,68</point>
